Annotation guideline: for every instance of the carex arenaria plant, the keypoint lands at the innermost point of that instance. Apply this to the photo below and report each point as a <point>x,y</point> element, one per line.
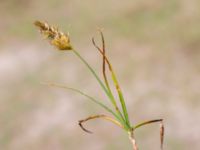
<point>119,115</point>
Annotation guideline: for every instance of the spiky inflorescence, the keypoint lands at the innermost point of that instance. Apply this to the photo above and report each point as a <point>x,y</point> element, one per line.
<point>56,37</point>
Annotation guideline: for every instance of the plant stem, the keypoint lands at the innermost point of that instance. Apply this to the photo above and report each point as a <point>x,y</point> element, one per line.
<point>121,98</point>
<point>120,118</point>
<point>133,141</point>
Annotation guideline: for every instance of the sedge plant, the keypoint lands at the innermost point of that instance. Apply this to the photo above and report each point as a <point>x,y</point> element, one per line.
<point>119,114</point>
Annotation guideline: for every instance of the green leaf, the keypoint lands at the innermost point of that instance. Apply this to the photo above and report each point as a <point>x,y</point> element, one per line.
<point>90,98</point>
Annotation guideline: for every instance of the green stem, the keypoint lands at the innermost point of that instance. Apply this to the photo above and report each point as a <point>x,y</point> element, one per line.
<point>93,72</point>
<point>102,86</point>
<point>121,98</point>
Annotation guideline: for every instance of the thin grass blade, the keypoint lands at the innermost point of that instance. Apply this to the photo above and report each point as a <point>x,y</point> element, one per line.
<point>105,117</point>
<point>161,129</point>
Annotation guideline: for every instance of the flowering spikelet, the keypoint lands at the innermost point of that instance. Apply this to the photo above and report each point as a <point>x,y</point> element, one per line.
<point>56,37</point>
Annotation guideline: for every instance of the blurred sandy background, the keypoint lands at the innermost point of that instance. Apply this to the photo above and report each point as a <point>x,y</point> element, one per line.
<point>153,45</point>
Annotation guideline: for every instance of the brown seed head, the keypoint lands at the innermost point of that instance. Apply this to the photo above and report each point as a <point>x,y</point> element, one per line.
<point>56,37</point>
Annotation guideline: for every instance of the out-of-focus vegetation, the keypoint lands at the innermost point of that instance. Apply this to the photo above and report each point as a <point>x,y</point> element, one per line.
<point>153,45</point>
